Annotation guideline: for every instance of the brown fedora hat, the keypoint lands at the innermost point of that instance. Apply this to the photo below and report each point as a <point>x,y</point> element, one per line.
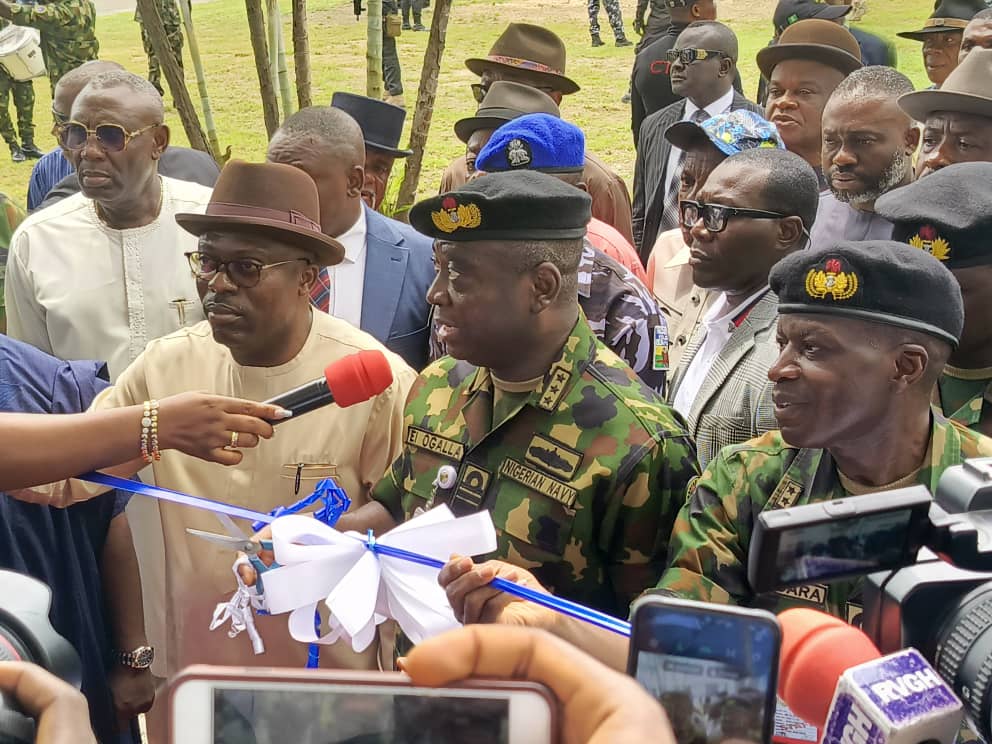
<point>504,102</point>
<point>948,15</point>
<point>534,49</point>
<point>816,40</point>
<point>269,198</point>
<point>967,90</point>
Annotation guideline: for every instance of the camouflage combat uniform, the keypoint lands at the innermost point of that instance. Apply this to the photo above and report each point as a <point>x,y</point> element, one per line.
<point>970,395</point>
<point>623,314</point>
<point>583,475</point>
<point>23,104</point>
<point>169,12</point>
<point>614,14</point>
<point>68,33</point>
<point>712,535</point>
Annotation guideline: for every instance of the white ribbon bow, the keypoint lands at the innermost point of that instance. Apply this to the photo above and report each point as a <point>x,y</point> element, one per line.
<point>362,588</point>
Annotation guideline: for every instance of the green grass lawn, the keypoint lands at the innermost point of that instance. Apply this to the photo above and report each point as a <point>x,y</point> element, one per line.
<point>338,60</point>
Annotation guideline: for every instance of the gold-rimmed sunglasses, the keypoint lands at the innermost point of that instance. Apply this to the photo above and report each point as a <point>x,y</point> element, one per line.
<point>111,137</point>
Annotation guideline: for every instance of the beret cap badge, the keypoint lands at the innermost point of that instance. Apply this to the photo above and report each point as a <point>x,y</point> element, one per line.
<point>831,280</point>
<point>453,216</point>
<point>927,239</point>
<point>518,153</point>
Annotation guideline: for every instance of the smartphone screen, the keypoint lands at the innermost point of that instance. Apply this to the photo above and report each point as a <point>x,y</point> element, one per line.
<point>714,670</point>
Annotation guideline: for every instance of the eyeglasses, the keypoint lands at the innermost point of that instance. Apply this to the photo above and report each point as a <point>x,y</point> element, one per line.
<point>243,272</point>
<point>111,137</point>
<point>716,216</point>
<point>691,54</point>
<point>479,92</point>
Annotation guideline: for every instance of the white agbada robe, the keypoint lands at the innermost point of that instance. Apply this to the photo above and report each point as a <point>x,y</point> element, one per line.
<point>78,289</point>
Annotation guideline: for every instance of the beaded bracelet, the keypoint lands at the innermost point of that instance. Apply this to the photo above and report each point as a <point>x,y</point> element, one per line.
<point>149,432</point>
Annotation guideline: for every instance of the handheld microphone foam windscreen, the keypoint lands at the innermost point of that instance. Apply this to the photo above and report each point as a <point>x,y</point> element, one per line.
<point>347,381</point>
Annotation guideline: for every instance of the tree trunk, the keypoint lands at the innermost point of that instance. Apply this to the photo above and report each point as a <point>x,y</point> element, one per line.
<point>256,29</point>
<point>373,55</point>
<point>174,76</point>
<point>301,53</point>
<point>282,72</point>
<point>421,125</point>
<point>201,79</point>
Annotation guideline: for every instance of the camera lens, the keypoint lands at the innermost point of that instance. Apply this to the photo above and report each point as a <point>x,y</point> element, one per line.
<point>964,655</point>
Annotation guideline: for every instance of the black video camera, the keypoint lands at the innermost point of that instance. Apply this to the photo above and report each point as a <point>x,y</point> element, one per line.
<point>928,567</point>
<point>26,634</point>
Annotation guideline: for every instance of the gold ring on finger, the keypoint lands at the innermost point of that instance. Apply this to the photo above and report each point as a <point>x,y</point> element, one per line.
<point>234,440</point>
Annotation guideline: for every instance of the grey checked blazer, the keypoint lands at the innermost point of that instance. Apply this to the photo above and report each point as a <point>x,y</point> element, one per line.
<point>734,403</point>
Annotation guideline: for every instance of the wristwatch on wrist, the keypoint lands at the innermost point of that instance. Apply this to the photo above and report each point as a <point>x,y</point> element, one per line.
<point>140,658</point>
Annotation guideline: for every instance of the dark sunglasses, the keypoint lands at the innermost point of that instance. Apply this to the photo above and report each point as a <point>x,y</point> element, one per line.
<point>243,272</point>
<point>716,216</point>
<point>479,92</point>
<point>111,137</point>
<point>691,54</point>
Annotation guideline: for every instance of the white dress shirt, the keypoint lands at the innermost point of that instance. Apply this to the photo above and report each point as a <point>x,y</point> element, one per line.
<point>719,326</point>
<point>348,277</point>
<point>720,106</point>
<point>78,289</point>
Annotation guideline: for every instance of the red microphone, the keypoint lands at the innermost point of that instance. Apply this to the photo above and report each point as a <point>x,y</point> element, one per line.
<point>347,381</point>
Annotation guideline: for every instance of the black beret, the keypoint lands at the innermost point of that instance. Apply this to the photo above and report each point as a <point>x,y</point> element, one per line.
<point>947,213</point>
<point>515,205</point>
<point>880,281</point>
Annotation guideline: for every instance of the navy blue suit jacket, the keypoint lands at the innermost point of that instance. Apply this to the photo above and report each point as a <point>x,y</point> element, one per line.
<point>399,268</point>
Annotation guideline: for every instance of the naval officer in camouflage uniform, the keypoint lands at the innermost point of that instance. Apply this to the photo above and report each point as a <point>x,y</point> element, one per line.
<point>169,13</point>
<point>68,32</point>
<point>865,330</point>
<point>531,417</point>
<point>948,214</point>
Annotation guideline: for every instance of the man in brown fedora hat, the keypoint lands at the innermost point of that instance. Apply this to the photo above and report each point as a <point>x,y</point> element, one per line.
<point>803,69</point>
<point>259,250</point>
<point>535,56</point>
<point>941,36</point>
<point>957,119</point>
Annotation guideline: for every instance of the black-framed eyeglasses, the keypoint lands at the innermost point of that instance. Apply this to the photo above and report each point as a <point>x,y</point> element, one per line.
<point>716,216</point>
<point>692,54</point>
<point>111,137</point>
<point>479,91</point>
<point>243,272</point>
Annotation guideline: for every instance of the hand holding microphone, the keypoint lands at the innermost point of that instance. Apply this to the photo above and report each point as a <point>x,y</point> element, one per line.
<point>832,676</point>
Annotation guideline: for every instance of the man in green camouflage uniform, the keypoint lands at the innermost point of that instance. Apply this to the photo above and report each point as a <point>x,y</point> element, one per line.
<point>949,215</point>
<point>68,32</point>
<point>582,467</point>
<point>23,95</point>
<point>169,12</point>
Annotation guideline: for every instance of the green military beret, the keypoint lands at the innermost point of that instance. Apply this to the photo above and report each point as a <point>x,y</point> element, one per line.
<point>880,281</point>
<point>515,205</point>
<point>948,214</point>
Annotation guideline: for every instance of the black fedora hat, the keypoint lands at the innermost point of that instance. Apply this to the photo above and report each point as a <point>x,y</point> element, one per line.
<point>948,15</point>
<point>381,122</point>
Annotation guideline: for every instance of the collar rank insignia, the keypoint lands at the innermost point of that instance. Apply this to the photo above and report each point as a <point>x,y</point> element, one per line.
<point>518,153</point>
<point>453,216</point>
<point>928,240</point>
<point>831,280</point>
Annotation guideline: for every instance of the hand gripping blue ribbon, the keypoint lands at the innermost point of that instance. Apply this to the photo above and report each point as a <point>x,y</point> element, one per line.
<point>335,504</point>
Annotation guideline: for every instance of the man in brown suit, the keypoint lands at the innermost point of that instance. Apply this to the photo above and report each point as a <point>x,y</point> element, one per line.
<point>535,56</point>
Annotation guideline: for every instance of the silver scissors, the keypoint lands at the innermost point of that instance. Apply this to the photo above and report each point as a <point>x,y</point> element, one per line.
<point>243,544</point>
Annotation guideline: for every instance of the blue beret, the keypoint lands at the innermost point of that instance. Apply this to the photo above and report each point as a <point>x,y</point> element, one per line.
<point>534,142</point>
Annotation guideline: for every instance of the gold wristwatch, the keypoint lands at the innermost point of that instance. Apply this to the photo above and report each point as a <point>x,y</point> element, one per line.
<point>140,658</point>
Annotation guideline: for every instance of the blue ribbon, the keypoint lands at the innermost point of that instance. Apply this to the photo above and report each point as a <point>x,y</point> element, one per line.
<point>558,604</point>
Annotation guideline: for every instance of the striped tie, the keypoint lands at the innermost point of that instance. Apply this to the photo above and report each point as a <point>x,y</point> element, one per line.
<point>670,217</point>
<point>320,292</point>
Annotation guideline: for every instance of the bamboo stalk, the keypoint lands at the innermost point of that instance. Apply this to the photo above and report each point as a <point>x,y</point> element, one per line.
<point>373,54</point>
<point>201,79</point>
<point>282,72</point>
<point>301,53</point>
<point>256,30</point>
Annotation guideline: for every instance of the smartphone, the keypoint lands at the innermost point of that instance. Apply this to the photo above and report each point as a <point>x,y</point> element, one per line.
<point>830,540</point>
<point>713,668</point>
<point>257,705</point>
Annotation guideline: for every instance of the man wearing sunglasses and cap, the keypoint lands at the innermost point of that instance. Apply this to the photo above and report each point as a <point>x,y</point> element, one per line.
<point>535,56</point>
<point>941,36</point>
<point>256,253</point>
<point>101,273</point>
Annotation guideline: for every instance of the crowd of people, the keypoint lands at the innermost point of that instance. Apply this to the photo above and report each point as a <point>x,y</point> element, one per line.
<point>791,306</point>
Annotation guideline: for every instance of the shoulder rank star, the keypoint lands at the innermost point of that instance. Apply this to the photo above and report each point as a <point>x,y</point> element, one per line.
<point>453,216</point>
<point>928,240</point>
<point>831,280</point>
